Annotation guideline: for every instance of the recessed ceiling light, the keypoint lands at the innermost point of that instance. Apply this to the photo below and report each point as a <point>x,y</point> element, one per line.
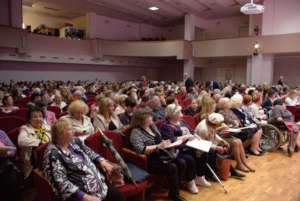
<point>153,8</point>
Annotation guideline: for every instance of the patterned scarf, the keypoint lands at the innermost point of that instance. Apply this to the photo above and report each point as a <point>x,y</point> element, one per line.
<point>41,133</point>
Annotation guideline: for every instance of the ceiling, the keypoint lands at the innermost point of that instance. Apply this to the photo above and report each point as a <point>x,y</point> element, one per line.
<point>170,11</point>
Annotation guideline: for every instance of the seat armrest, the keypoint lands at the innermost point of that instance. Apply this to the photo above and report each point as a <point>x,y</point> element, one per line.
<point>44,192</point>
<point>137,159</point>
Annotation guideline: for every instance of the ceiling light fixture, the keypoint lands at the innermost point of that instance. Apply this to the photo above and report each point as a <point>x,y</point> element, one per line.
<point>153,8</point>
<point>252,8</point>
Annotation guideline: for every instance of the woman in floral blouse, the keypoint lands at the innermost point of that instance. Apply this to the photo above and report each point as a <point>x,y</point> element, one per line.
<point>71,168</point>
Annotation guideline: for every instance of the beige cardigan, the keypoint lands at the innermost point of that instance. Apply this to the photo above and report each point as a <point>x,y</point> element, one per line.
<point>27,140</point>
<point>100,121</point>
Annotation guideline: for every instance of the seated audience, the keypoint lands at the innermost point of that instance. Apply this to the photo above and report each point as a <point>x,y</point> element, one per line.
<point>248,136</point>
<point>146,139</point>
<point>157,111</point>
<point>235,144</point>
<point>268,101</point>
<point>192,109</point>
<point>58,102</point>
<point>175,128</point>
<point>106,119</point>
<point>125,117</point>
<point>34,98</point>
<point>144,102</point>
<point>2,94</point>
<point>281,114</point>
<point>256,108</point>
<point>81,123</point>
<point>49,116</point>
<point>8,105</point>
<point>71,168</point>
<point>292,98</point>
<point>32,135</point>
<point>171,100</point>
<point>10,175</point>
<point>121,107</point>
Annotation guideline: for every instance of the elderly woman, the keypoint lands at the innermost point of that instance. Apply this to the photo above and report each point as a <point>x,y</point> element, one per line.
<point>71,168</point>
<point>281,114</point>
<point>256,108</point>
<point>146,139</point>
<point>58,102</point>
<point>248,136</point>
<point>235,143</point>
<point>175,128</point>
<point>9,174</point>
<point>8,105</point>
<point>81,123</point>
<point>106,119</point>
<point>32,135</point>
<point>49,116</point>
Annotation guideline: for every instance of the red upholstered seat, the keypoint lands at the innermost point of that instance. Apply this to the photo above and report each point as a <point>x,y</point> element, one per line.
<point>10,122</point>
<point>158,123</point>
<point>22,112</point>
<point>126,139</point>
<point>13,135</point>
<point>197,118</point>
<point>95,142</point>
<point>190,121</point>
<point>186,103</point>
<point>54,109</point>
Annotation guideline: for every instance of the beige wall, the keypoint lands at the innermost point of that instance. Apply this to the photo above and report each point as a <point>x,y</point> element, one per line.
<point>215,69</point>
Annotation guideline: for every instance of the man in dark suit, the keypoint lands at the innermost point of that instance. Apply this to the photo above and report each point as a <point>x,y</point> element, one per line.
<point>188,82</point>
<point>280,81</point>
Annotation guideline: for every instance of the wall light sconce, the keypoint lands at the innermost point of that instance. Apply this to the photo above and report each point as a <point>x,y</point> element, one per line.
<point>256,47</point>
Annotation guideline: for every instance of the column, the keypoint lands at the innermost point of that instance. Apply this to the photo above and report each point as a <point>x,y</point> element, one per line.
<point>189,35</point>
<point>260,69</point>
<point>11,13</point>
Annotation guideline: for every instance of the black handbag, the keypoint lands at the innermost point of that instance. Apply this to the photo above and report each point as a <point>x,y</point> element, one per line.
<point>167,155</point>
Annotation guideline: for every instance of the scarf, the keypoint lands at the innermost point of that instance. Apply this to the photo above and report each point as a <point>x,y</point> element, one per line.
<point>41,133</point>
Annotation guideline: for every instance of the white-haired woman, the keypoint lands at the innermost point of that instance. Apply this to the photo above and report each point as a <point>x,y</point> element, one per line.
<point>248,136</point>
<point>235,144</point>
<point>175,128</point>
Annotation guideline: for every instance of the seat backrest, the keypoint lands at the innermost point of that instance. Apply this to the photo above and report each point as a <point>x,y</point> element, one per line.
<point>158,123</point>
<point>10,122</point>
<point>13,135</point>
<point>22,112</point>
<point>190,121</point>
<point>186,102</point>
<point>126,139</point>
<point>292,109</point>
<point>96,142</point>
<point>40,154</point>
<point>54,109</point>
<point>197,119</point>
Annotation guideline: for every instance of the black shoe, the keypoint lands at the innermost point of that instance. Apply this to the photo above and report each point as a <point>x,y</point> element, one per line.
<point>237,175</point>
<point>176,198</point>
<point>296,148</point>
<point>254,154</point>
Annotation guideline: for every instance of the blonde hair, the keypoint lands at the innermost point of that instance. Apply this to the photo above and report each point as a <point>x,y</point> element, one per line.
<point>292,92</point>
<point>223,102</point>
<point>236,100</point>
<point>104,104</point>
<point>78,105</point>
<point>140,116</point>
<point>58,127</point>
<point>121,99</point>
<point>207,105</point>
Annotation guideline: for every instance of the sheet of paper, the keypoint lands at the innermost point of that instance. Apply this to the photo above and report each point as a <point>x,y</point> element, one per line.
<point>175,144</point>
<point>233,130</point>
<point>7,148</point>
<point>202,145</point>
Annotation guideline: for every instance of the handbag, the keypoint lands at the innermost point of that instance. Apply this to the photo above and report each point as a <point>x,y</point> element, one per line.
<point>166,156</point>
<point>223,163</point>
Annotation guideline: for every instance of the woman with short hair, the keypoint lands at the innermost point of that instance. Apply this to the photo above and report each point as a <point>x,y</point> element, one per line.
<point>81,123</point>
<point>146,139</point>
<point>71,168</point>
<point>32,135</point>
